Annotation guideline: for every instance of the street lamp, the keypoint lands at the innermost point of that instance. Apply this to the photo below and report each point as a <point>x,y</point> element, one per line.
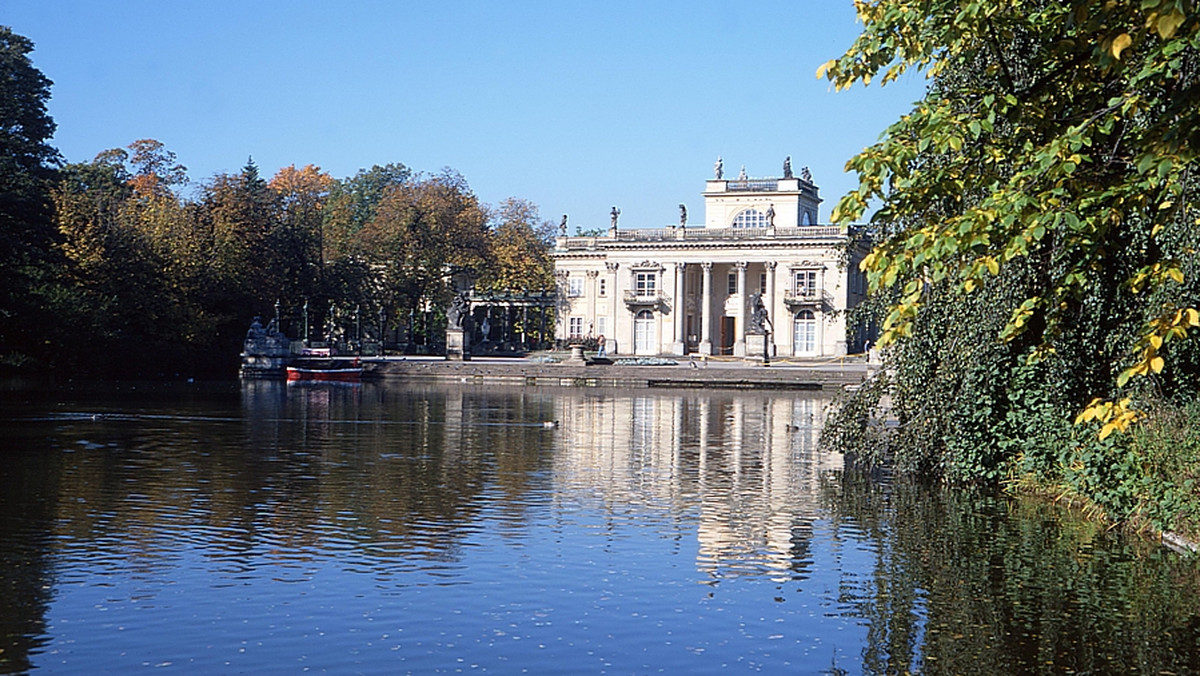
<point>277,327</point>
<point>306,322</point>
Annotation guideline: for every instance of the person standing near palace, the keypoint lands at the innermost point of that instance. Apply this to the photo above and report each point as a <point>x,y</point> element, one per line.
<point>600,346</point>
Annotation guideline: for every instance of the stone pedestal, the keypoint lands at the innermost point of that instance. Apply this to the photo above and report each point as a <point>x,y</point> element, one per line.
<point>576,355</point>
<point>457,348</point>
<point>756,347</point>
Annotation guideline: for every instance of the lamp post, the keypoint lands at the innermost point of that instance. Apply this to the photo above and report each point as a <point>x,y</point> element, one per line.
<point>381,330</point>
<point>306,322</point>
<point>277,327</point>
<point>357,328</point>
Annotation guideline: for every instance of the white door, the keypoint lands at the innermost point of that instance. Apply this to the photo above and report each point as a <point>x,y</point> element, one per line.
<point>643,333</point>
<point>804,334</point>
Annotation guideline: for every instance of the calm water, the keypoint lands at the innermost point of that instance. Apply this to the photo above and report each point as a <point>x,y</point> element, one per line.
<point>382,529</point>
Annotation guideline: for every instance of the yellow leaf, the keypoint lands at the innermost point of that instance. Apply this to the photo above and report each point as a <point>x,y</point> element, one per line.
<point>824,68</point>
<point>1157,364</point>
<point>1119,44</point>
<point>1168,23</point>
<point>1193,316</point>
<point>1108,430</point>
<point>1156,340</point>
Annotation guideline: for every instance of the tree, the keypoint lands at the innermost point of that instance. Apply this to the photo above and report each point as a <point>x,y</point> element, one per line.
<point>518,252</point>
<point>137,266</point>
<point>423,230</point>
<point>27,165</point>
<point>1057,137</point>
<point>296,241</point>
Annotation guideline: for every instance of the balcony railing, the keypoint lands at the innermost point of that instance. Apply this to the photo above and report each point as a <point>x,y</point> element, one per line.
<point>646,299</point>
<point>802,297</point>
<point>753,185</point>
<point>703,234</point>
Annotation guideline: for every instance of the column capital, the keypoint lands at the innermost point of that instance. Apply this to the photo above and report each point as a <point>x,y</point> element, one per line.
<point>680,266</point>
<point>612,266</point>
<point>592,274</point>
<point>706,266</point>
<point>771,265</point>
<point>741,265</point>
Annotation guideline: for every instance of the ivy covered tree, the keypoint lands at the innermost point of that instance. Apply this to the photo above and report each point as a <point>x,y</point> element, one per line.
<point>1036,226</point>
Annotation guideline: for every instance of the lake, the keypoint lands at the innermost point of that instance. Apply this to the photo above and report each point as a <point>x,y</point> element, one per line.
<point>261,527</point>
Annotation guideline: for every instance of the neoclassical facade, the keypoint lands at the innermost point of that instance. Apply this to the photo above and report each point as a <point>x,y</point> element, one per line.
<point>687,290</point>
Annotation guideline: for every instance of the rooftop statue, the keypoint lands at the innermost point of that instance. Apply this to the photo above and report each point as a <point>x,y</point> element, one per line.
<point>719,168</point>
<point>614,214</point>
<point>787,167</point>
<point>682,216</point>
<point>562,227</point>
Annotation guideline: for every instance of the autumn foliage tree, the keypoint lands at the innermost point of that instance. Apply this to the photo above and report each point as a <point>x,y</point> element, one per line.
<point>422,230</point>
<point>519,249</point>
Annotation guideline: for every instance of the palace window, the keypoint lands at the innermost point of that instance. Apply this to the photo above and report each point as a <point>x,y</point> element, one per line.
<point>645,283</point>
<point>750,218</point>
<point>574,287</point>
<point>806,283</point>
<point>733,283</point>
<point>601,325</point>
<point>762,284</point>
<point>804,333</point>
<point>575,330</point>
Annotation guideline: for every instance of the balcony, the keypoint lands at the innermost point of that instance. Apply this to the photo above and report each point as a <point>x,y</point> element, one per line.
<point>652,299</point>
<point>797,298</point>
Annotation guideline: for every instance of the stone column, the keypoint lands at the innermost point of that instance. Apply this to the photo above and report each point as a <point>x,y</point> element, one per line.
<point>769,301</point>
<point>739,345</point>
<point>591,292</point>
<point>706,309</point>
<point>560,319</point>
<point>679,310</point>
<point>611,345</point>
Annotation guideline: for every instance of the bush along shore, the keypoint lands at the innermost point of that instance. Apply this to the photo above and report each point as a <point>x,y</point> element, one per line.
<point>1144,480</point>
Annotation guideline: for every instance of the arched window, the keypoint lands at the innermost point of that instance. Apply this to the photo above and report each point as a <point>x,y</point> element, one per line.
<point>643,333</point>
<point>750,218</point>
<point>804,333</point>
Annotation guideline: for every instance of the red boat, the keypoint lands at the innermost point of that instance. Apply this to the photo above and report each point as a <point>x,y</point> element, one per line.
<point>330,374</point>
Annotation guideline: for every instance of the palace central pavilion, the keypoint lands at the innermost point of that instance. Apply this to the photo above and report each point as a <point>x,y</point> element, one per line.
<point>689,290</point>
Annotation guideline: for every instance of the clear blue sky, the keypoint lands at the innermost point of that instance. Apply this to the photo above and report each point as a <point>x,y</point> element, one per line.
<point>575,106</point>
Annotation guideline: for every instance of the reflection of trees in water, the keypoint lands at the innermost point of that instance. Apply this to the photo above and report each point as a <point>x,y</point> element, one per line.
<point>410,464</point>
<point>28,502</point>
<point>972,583</point>
<point>745,464</point>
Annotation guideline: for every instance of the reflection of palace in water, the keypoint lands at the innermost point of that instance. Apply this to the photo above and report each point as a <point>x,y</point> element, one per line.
<point>746,467</point>
<point>751,461</point>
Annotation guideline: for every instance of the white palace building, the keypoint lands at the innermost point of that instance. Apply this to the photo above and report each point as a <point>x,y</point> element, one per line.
<point>688,290</point>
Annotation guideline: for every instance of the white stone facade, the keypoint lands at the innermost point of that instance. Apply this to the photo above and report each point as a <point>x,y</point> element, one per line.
<point>686,290</point>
